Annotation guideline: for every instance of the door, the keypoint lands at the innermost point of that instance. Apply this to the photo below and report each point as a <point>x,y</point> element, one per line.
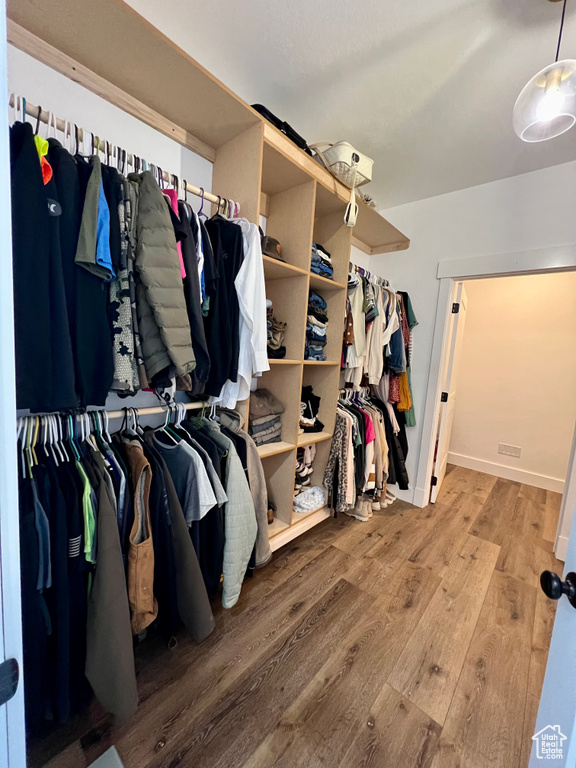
<point>555,725</point>
<point>450,380</point>
<point>12,734</point>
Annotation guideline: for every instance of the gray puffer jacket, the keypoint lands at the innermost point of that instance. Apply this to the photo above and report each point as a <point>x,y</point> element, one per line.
<point>162,315</point>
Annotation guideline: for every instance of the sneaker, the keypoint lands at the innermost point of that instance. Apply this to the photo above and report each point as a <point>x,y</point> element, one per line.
<point>357,515</point>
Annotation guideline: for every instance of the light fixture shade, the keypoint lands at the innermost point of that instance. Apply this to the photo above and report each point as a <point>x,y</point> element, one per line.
<point>546,106</point>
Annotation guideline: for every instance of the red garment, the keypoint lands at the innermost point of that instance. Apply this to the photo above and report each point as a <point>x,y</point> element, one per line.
<point>46,170</point>
<point>172,196</point>
<point>403,320</point>
<point>370,431</point>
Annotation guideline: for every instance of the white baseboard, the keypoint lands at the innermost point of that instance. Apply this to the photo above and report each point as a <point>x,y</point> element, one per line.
<point>561,548</point>
<point>403,495</point>
<point>508,473</point>
<point>421,497</point>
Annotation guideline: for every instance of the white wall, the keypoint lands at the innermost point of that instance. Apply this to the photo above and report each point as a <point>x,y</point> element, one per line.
<point>517,378</point>
<point>44,87</point>
<point>534,210</point>
<point>360,258</point>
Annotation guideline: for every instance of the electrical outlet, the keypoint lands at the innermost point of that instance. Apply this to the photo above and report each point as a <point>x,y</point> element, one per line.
<point>510,450</point>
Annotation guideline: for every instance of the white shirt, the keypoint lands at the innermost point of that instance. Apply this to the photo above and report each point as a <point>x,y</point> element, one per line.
<point>251,291</point>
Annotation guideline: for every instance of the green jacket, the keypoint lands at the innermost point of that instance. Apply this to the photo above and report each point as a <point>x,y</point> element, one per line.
<point>162,315</point>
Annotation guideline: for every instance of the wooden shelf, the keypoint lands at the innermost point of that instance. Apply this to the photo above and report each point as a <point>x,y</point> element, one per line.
<point>114,51</point>
<point>279,173</point>
<point>273,449</point>
<point>328,201</point>
<point>276,270</point>
<point>297,516</point>
<point>277,527</point>
<point>120,46</point>
<point>307,438</point>
<point>297,529</point>
<point>110,49</point>
<point>372,233</point>
<point>319,283</point>
<point>289,305</point>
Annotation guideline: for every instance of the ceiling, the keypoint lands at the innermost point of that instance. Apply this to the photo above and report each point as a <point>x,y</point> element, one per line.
<point>424,87</point>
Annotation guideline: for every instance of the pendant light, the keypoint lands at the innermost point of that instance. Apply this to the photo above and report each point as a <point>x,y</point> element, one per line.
<point>546,106</point>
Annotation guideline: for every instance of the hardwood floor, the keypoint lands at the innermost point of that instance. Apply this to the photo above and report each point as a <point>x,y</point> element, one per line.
<point>415,640</point>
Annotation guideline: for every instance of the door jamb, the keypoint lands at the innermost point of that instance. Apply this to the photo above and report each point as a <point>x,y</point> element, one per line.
<point>449,272</point>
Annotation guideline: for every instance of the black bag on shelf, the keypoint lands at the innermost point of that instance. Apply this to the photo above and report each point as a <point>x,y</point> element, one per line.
<point>284,127</point>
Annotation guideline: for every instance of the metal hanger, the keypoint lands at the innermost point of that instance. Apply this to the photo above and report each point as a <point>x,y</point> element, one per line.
<point>38,121</point>
<point>201,211</point>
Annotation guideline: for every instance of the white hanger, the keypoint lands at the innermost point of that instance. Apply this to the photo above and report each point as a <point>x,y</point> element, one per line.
<point>107,432</point>
<point>54,438</point>
<point>51,126</point>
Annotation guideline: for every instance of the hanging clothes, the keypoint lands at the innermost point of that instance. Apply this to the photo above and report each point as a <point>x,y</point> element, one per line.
<point>193,296</point>
<point>252,334</point>
<point>109,655</point>
<point>377,340</point>
<point>128,288</point>
<point>239,520</point>
<point>45,377</point>
<point>87,586</point>
<point>224,317</point>
<point>162,314</point>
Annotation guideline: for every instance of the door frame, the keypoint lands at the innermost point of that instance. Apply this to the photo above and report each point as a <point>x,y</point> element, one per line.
<point>449,272</point>
<point>12,726</point>
<point>448,378</point>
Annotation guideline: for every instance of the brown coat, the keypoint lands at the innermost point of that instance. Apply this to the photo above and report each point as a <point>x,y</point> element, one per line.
<point>143,604</point>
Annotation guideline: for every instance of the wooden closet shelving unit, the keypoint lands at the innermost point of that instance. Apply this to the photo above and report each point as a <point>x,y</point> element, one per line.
<point>113,51</point>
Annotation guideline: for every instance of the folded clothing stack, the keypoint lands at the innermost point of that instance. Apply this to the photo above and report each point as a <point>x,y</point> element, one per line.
<point>309,407</point>
<point>321,262</point>
<point>304,458</point>
<point>316,328</point>
<point>310,500</point>
<point>264,415</point>
<point>276,333</point>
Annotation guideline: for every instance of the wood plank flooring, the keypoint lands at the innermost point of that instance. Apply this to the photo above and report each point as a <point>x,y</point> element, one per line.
<point>416,640</point>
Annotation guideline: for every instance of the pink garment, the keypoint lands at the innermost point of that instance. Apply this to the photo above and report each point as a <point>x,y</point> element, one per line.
<point>172,196</point>
<point>370,433</point>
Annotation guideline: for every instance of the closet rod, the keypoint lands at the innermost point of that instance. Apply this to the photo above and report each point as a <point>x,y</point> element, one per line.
<point>149,411</point>
<point>369,275</point>
<point>152,410</point>
<point>66,128</point>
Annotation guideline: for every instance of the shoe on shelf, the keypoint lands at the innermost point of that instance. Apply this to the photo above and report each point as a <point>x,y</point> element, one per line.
<point>271,510</point>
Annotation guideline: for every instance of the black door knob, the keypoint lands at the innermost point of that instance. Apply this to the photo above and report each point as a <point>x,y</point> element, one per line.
<point>553,586</point>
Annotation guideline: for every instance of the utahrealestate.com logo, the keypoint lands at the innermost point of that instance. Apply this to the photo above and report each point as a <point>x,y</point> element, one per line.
<point>549,742</point>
